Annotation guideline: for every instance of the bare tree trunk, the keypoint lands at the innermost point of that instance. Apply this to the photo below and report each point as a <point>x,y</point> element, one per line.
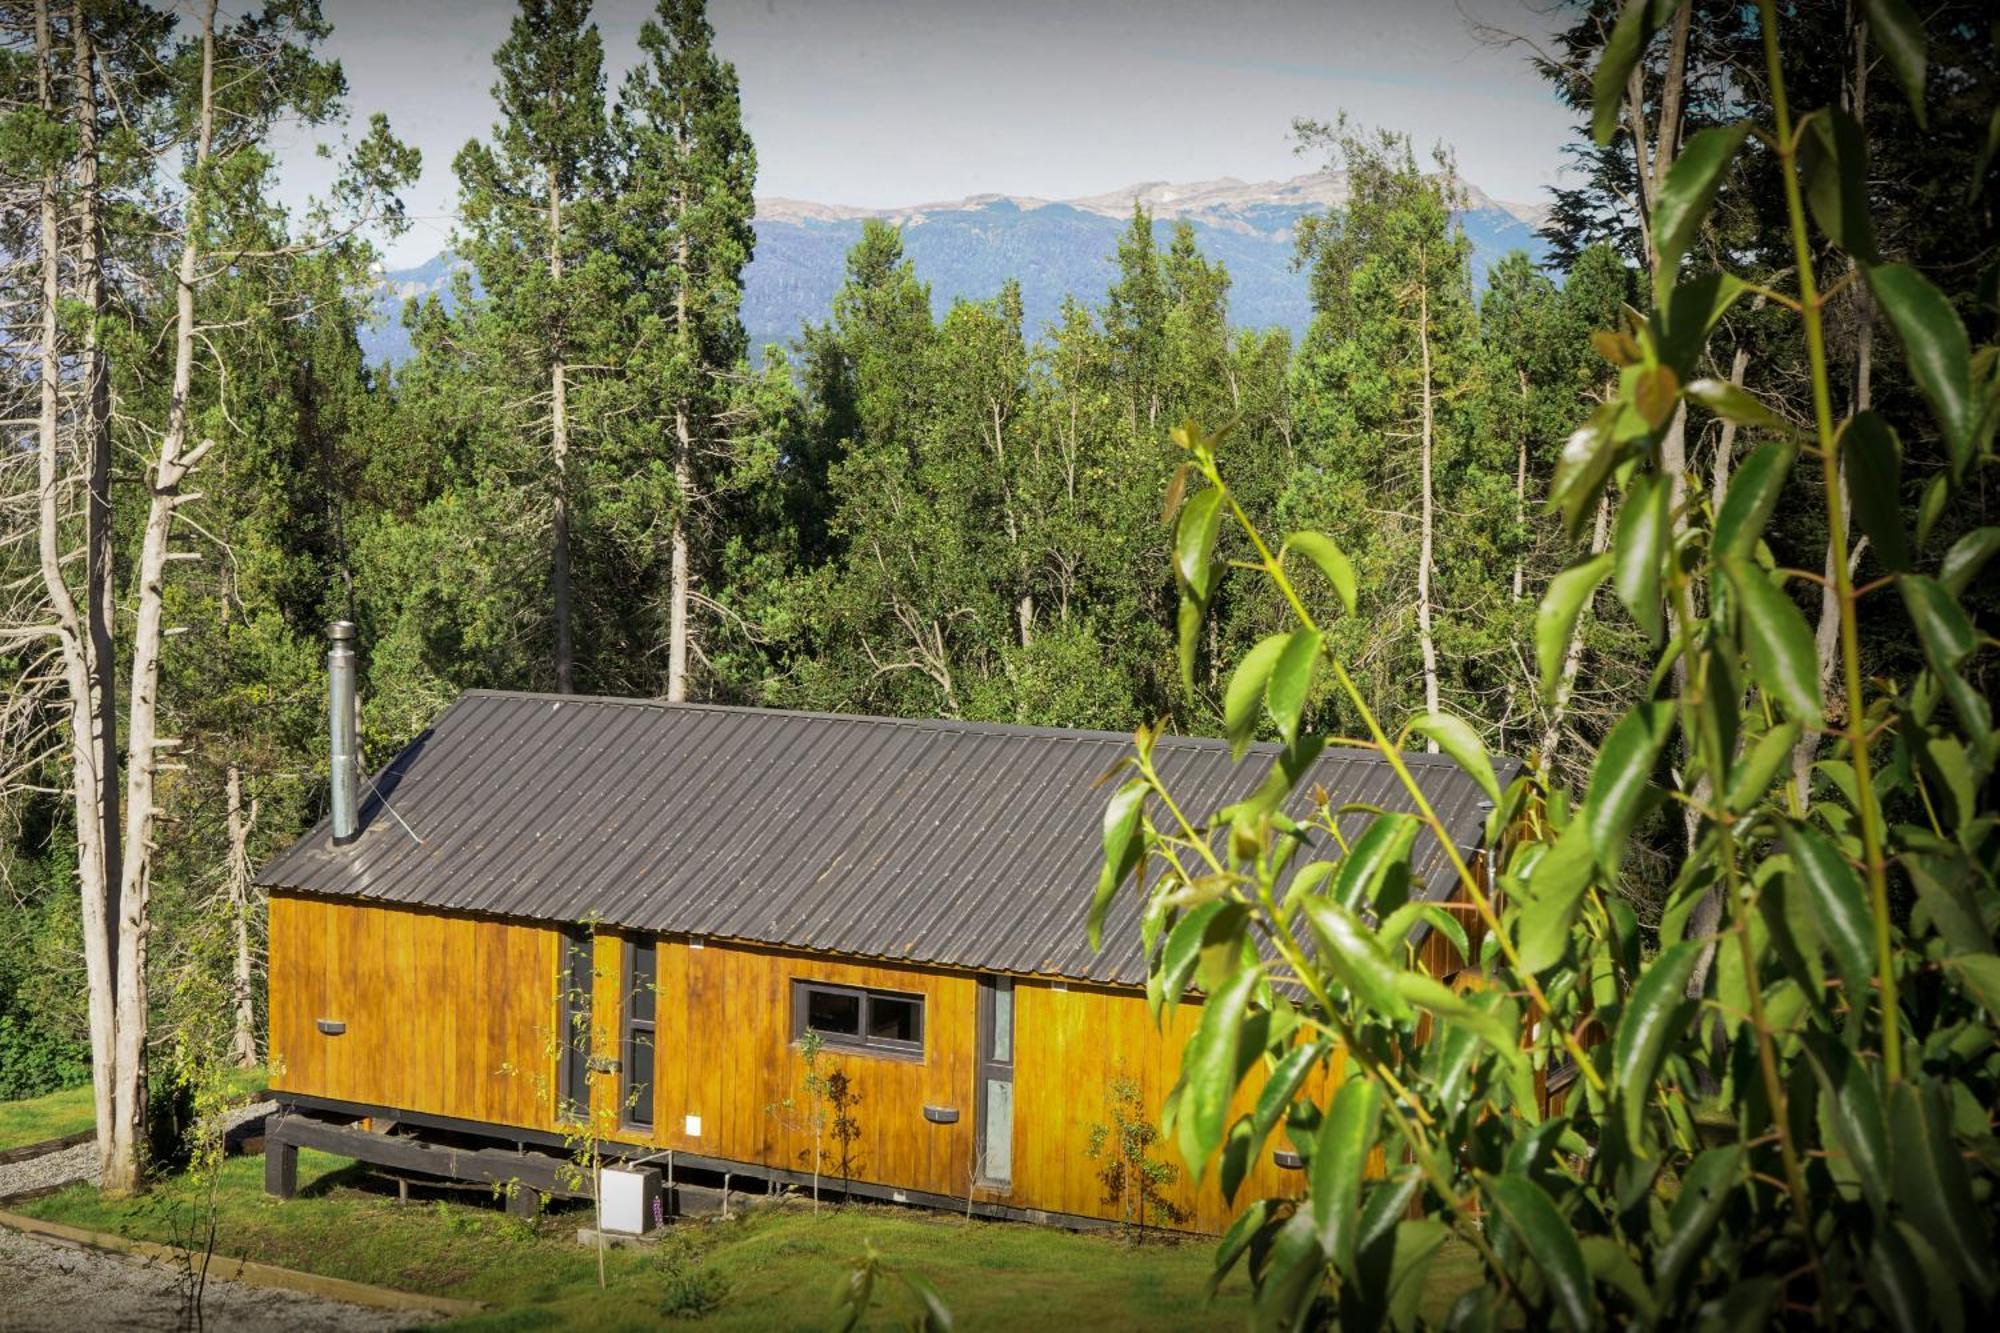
<point>1425,544</point>
<point>243,1042</point>
<point>680,578</point>
<point>1573,656</point>
<point>175,461</point>
<point>559,576</point>
<point>93,781</point>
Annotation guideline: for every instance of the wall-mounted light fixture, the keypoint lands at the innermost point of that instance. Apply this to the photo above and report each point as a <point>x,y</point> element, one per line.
<point>941,1115</point>
<point>1288,1160</point>
<point>331,1027</point>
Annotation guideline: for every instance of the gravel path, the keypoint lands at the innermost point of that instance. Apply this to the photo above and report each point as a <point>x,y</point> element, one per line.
<point>80,1162</point>
<point>45,1284</point>
<point>48,1286</point>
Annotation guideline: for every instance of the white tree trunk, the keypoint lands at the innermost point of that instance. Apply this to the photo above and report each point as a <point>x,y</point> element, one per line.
<point>679,577</point>
<point>559,575</point>
<point>175,460</point>
<point>1573,655</point>
<point>1425,541</point>
<point>242,903</point>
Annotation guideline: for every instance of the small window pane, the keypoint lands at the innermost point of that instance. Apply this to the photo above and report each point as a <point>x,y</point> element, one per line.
<point>1003,1022</point>
<point>892,1018</point>
<point>834,1012</point>
<point>639,1080</point>
<point>999,1124</point>
<point>645,969</point>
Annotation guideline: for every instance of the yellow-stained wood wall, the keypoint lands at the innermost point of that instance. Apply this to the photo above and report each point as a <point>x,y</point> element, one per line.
<point>453,1015</point>
<point>457,1016</point>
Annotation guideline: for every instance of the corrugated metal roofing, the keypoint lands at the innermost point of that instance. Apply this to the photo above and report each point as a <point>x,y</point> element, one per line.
<point>960,844</point>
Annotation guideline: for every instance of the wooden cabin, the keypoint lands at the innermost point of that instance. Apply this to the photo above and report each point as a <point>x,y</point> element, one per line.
<point>556,914</point>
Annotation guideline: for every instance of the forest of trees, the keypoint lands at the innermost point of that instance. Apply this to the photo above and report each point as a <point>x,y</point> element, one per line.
<point>579,481</point>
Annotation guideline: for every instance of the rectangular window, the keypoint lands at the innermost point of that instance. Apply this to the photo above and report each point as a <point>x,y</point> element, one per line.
<point>573,1017</point>
<point>870,1020</point>
<point>995,1098</point>
<point>641,1007</point>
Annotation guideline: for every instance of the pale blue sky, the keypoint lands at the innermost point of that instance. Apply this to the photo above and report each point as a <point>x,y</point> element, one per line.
<point>883,102</point>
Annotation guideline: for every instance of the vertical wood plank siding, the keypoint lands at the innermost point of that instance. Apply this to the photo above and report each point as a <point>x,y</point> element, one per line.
<point>456,1016</point>
<point>450,1015</point>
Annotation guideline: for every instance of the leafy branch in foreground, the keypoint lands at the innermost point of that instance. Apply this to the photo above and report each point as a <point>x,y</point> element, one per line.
<point>1804,1136</point>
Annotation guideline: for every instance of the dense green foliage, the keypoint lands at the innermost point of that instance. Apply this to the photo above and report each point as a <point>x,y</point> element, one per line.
<point>578,482</point>
<point>1780,1114</point>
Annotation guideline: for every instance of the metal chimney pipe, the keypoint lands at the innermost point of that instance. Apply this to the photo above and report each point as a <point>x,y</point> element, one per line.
<point>340,725</point>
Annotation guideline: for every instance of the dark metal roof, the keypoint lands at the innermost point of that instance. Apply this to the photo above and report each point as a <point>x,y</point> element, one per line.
<point>960,844</point>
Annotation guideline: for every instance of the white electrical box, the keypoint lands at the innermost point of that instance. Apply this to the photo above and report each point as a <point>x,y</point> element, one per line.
<point>627,1198</point>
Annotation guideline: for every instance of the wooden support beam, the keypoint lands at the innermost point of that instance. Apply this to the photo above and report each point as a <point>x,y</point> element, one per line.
<point>529,1172</point>
<point>281,1167</point>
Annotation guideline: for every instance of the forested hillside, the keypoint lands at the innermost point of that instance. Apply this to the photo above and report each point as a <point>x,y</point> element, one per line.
<point>579,479</point>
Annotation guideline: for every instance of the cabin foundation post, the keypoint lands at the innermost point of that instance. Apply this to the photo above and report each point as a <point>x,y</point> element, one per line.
<point>523,1202</point>
<point>281,1168</point>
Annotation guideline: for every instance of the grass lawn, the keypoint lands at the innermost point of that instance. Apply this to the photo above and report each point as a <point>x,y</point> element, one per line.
<point>71,1111</point>
<point>46,1117</point>
<point>775,1269</point>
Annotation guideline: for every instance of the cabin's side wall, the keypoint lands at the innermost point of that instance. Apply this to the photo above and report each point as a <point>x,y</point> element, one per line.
<point>726,1059</point>
<point>1073,1046</point>
<point>447,1014</point>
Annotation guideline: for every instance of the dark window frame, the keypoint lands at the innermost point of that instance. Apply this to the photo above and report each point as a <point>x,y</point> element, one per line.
<point>859,1040</point>
<point>637,1112</point>
<point>573,1020</point>
<point>994,1065</point>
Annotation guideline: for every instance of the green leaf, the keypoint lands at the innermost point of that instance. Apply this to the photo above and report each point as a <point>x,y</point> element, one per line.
<point>1245,695</point>
<point>1339,1158</point>
<point>1614,67</point>
<point>1194,540</point>
<point>1332,562</point>
<point>1979,973</point>
<point>1461,744</point>
<point>1930,505</point>
<point>1750,780</point>
<point>1930,1182</point>
<point>1691,313</point>
<point>1897,1282</point>
<point>1587,457</point>
<point>1434,996</point>
<point>1192,610</point>
<point>1292,1275</point>
<point>1122,848</point>
<point>1282,1085</point>
<point>1382,846</point>
<point>1356,959</point>
<point>1654,1014</point>
<point>1941,624</point>
<point>1548,1238</point>
<point>1987,149</point>
<point>1209,1071</point>
<point>1753,494</point>
<point>1900,34</point>
<point>1555,619</point>
<point>1779,644</point>
<point>1638,548</point>
<point>1620,778</point>
<point>1689,190</point>
<point>1400,922</point>
<point>1967,556</point>
<point>1417,1242</point>
<point>1238,1240</point>
<point>1733,402</point>
<point>1555,891</point>
<point>1839,906</point>
<point>1611,1266</point>
<point>1937,350</point>
<point>1851,1114</point>
<point>1835,160</point>
<point>1196,931</point>
<point>1705,1189</point>
<point>1291,680</point>
<point>1872,459</point>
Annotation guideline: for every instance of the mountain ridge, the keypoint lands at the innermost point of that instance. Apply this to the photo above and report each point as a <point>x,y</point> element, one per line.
<point>1055,248</point>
